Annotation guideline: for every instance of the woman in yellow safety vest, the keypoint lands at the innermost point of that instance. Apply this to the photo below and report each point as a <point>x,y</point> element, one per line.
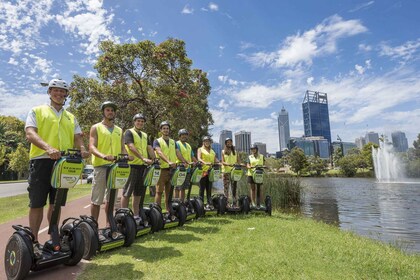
<point>229,158</point>
<point>254,159</point>
<point>207,156</point>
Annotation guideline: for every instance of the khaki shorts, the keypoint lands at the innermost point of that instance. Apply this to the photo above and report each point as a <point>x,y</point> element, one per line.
<point>164,181</point>
<point>99,189</point>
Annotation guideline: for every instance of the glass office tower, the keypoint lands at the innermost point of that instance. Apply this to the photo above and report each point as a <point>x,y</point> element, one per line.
<point>316,117</point>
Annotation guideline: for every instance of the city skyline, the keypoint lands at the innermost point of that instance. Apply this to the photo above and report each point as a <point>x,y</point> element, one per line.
<point>258,57</point>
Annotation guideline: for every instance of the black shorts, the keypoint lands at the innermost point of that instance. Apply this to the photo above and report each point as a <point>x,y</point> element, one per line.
<point>250,180</point>
<point>40,171</point>
<point>135,183</point>
<point>186,183</point>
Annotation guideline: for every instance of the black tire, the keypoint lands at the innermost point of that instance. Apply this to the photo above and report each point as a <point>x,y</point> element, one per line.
<point>268,205</point>
<point>222,205</point>
<point>90,238</point>
<point>128,228</point>
<point>181,213</point>
<point>77,244</point>
<point>17,258</point>
<point>200,207</point>
<point>246,207</point>
<point>155,218</point>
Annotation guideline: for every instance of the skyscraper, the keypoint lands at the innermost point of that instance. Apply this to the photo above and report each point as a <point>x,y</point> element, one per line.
<point>372,137</point>
<point>243,141</point>
<point>223,135</point>
<point>316,117</point>
<point>399,141</point>
<point>217,148</point>
<point>360,142</point>
<point>284,129</point>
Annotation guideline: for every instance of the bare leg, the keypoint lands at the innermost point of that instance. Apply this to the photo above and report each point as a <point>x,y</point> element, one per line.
<point>182,194</point>
<point>253,196</point>
<point>124,202</point>
<point>35,219</point>
<point>167,193</point>
<point>136,205</point>
<point>94,211</point>
<point>176,195</point>
<point>158,198</point>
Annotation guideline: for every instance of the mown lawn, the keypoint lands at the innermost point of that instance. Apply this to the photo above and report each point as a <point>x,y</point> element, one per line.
<point>254,247</point>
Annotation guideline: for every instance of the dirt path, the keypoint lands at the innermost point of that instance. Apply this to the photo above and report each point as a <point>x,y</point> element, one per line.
<point>61,272</point>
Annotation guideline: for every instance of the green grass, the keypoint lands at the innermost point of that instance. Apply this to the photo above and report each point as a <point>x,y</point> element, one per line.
<point>254,247</point>
<point>17,206</point>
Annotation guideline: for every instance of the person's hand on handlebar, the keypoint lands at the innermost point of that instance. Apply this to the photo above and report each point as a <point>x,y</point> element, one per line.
<point>53,153</point>
<point>172,164</point>
<point>147,161</point>
<point>109,157</point>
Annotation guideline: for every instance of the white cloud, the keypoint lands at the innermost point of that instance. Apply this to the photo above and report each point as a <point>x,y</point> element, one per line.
<point>213,7</point>
<point>88,21</point>
<point>187,10</point>
<point>365,48</point>
<point>408,51</point>
<point>26,100</point>
<point>223,104</point>
<point>310,80</point>
<point>301,49</point>
<point>91,74</point>
<point>359,69</point>
<point>362,6</point>
<point>13,61</point>
<point>21,24</point>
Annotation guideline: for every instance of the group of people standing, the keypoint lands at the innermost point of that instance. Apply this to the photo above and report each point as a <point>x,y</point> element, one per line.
<point>51,129</point>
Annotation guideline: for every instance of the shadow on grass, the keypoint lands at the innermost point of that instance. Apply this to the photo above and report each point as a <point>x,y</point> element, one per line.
<point>112,271</point>
<point>148,254</point>
<point>179,236</point>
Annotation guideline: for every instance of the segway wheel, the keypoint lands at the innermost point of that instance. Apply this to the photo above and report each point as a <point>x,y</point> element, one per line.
<point>182,214</point>
<point>128,228</point>
<point>17,259</point>
<point>77,244</point>
<point>222,205</point>
<point>156,221</point>
<point>246,207</point>
<point>268,205</point>
<point>198,203</point>
<point>90,238</point>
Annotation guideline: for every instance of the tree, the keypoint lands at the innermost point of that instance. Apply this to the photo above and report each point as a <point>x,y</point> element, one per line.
<point>416,145</point>
<point>156,80</point>
<point>273,163</point>
<point>337,155</point>
<point>2,154</point>
<point>297,160</point>
<point>12,132</point>
<point>317,165</point>
<point>367,154</point>
<point>19,159</point>
<point>349,164</point>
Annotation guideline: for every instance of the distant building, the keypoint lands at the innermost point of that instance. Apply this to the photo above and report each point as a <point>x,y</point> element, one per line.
<point>360,142</point>
<point>262,148</point>
<point>316,117</point>
<point>243,141</point>
<point>399,141</point>
<point>372,137</point>
<point>312,146</point>
<point>344,146</point>
<point>217,149</point>
<point>223,135</point>
<point>284,129</point>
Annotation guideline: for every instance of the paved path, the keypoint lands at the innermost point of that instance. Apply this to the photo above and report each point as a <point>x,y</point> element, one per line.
<point>12,189</point>
<point>60,272</point>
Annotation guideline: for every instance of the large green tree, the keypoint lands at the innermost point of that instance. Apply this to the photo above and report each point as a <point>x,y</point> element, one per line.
<point>367,155</point>
<point>297,160</point>
<point>19,159</point>
<point>156,80</point>
<point>12,132</point>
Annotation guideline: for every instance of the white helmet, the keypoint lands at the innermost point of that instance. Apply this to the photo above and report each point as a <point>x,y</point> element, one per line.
<point>58,83</point>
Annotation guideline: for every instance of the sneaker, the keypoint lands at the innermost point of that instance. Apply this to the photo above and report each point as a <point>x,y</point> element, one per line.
<point>138,220</point>
<point>101,237</point>
<point>37,250</point>
<point>116,235</point>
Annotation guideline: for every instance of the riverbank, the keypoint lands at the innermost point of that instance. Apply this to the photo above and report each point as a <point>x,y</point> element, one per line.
<point>254,247</point>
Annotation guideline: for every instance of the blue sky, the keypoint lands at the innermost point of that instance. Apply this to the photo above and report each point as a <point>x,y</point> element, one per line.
<point>259,56</point>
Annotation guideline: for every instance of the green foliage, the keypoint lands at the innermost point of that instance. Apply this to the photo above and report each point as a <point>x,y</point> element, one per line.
<point>156,80</point>
<point>317,165</point>
<point>337,155</point>
<point>19,159</point>
<point>367,155</point>
<point>297,160</point>
<point>273,163</point>
<point>12,132</point>
<point>416,145</point>
<point>243,157</point>
<point>413,168</point>
<point>2,154</point>
<point>349,164</point>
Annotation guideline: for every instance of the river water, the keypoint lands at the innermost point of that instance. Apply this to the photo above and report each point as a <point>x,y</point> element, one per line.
<point>389,212</point>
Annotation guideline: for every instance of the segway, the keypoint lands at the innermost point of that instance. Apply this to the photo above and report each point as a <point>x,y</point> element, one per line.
<point>151,216</point>
<point>178,212</point>
<point>195,205</point>
<point>258,177</point>
<point>243,206</point>
<point>218,200</point>
<point>66,244</point>
<point>122,229</point>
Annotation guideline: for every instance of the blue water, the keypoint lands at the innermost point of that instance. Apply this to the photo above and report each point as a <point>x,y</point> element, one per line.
<point>389,212</point>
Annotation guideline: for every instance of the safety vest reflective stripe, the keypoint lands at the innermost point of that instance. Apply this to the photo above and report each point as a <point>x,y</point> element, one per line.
<point>57,131</point>
<point>141,146</point>
<point>108,143</point>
